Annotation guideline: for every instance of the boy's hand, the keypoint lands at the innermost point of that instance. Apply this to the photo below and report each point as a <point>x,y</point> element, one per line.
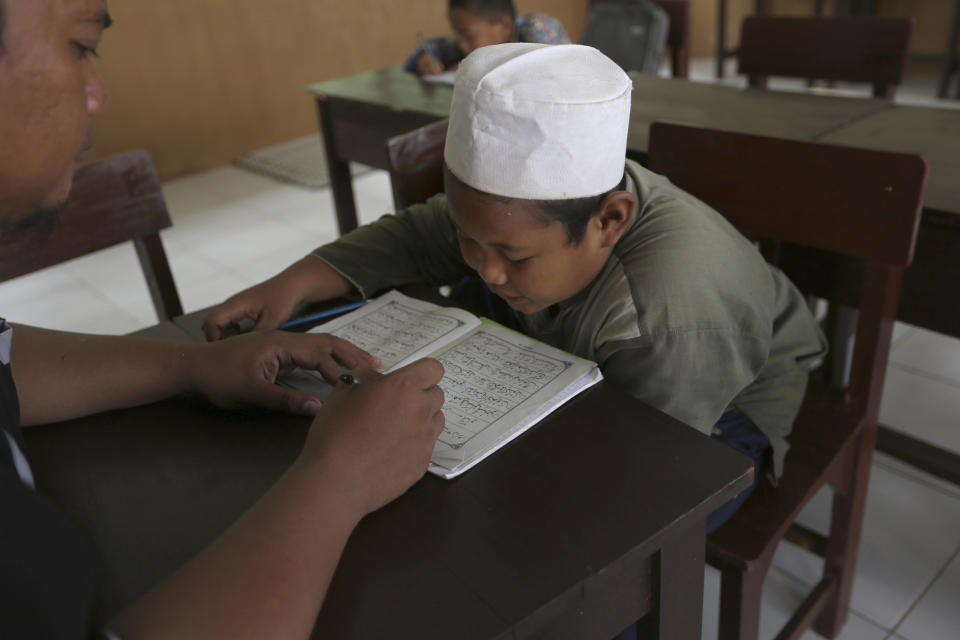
<point>242,370</point>
<point>427,65</point>
<point>373,440</point>
<point>270,303</point>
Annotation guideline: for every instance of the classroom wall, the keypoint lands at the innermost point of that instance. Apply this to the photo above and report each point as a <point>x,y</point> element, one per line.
<point>200,82</point>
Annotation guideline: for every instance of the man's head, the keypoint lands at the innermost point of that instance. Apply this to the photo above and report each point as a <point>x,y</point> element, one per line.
<point>535,168</point>
<point>481,23</point>
<point>50,91</point>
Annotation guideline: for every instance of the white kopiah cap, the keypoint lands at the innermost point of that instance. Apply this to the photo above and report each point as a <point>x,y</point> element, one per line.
<point>539,121</point>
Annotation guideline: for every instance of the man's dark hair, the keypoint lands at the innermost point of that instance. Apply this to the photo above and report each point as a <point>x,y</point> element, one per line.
<point>491,10</point>
<point>573,213</point>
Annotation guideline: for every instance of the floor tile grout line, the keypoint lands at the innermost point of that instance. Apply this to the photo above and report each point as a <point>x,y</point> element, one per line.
<point>908,333</point>
<point>926,590</point>
<point>936,377</point>
<point>908,475</point>
<point>800,582</point>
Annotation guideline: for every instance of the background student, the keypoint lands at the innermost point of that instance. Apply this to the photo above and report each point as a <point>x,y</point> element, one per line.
<point>267,575</point>
<point>480,23</point>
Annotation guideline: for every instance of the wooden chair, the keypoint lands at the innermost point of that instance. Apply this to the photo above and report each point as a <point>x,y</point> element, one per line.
<point>415,163</point>
<point>721,50</point>
<point>870,50</point>
<point>112,201</point>
<point>857,203</point>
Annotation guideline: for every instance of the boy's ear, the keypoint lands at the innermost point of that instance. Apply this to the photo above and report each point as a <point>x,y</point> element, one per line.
<point>614,216</point>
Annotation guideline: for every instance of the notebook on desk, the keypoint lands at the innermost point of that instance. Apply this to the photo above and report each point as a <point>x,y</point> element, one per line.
<point>497,383</point>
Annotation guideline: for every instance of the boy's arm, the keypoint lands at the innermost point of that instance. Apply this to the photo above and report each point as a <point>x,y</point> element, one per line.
<point>62,375</point>
<point>692,376</point>
<point>272,302</point>
<point>444,50</point>
<point>418,244</point>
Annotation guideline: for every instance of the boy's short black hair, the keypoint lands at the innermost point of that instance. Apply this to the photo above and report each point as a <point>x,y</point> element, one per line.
<point>487,9</point>
<point>573,213</point>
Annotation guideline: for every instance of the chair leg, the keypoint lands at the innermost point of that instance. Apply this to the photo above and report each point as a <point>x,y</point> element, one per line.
<point>843,545</point>
<point>721,36</point>
<point>950,54</point>
<point>740,597</point>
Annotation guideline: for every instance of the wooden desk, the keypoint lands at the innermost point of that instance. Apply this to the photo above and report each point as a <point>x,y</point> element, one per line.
<point>590,520</point>
<point>359,113</point>
<point>926,300</point>
<point>782,114</point>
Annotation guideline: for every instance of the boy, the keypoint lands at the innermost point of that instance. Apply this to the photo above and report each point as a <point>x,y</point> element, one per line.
<point>600,258</point>
<point>479,23</point>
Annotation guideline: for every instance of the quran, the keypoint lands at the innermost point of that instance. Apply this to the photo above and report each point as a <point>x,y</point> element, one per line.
<point>497,382</point>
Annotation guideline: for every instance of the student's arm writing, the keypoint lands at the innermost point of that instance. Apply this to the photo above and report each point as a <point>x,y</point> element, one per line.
<point>417,244</point>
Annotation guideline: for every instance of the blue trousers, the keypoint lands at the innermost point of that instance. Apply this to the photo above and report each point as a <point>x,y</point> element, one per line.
<point>734,430</point>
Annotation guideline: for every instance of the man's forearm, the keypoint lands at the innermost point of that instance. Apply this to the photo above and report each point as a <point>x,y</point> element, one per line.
<point>63,375</point>
<point>266,577</point>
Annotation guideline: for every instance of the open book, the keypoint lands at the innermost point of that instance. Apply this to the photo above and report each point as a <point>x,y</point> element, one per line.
<point>497,383</point>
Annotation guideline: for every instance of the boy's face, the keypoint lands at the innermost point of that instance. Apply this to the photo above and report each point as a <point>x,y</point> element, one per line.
<point>475,31</point>
<point>49,92</point>
<point>528,262</point>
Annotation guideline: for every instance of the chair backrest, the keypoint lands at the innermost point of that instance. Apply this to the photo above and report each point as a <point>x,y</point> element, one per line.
<point>415,162</point>
<point>112,201</point>
<point>633,33</point>
<point>859,203</point>
<point>872,50</point>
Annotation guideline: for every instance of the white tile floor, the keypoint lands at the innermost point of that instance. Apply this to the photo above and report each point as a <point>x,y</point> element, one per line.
<point>233,229</point>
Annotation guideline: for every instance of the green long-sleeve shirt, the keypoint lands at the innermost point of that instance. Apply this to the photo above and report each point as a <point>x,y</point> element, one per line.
<point>685,314</point>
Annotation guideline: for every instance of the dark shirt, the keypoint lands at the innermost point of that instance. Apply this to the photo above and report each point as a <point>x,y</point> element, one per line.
<point>47,568</point>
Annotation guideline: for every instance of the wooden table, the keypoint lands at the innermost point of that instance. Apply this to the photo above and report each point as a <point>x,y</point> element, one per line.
<point>931,283</point>
<point>358,114</point>
<point>590,520</point>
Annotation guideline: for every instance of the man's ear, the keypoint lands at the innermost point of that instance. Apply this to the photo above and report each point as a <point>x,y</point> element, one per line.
<point>614,216</point>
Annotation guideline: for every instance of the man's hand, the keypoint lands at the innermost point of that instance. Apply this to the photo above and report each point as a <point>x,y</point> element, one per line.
<point>270,303</point>
<point>427,65</point>
<point>242,370</point>
<point>374,439</point>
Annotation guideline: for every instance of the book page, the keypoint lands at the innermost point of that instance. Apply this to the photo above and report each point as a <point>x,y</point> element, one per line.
<point>446,77</point>
<point>496,383</point>
<point>396,328</point>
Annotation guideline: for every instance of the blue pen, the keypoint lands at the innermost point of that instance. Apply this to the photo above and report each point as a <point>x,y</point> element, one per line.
<point>321,315</point>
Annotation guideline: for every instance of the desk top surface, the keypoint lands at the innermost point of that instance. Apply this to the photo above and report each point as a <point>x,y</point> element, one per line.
<point>931,131</point>
<point>776,113</point>
<point>861,122</point>
<point>505,547</point>
<point>391,87</point>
